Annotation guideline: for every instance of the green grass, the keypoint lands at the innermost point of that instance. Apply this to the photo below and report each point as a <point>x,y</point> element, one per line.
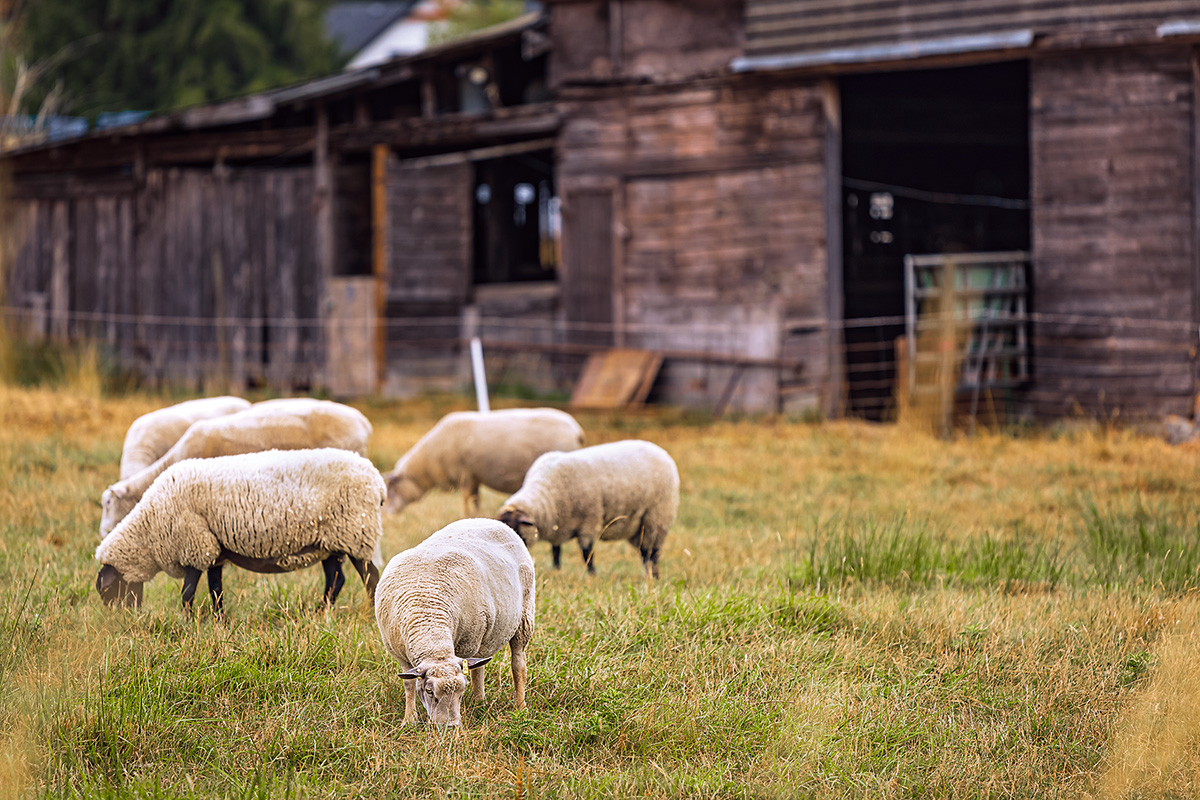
<point>845,611</point>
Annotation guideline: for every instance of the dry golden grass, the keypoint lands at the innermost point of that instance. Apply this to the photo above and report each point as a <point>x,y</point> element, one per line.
<point>846,610</point>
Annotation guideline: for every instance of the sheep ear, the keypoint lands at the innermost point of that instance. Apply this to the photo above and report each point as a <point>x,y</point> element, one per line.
<point>472,663</point>
<point>413,674</point>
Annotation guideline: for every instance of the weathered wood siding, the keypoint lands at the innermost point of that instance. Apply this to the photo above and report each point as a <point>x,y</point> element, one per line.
<point>429,271</point>
<point>1113,191</point>
<point>656,39</point>
<point>720,209</point>
<point>191,276</point>
<point>787,27</point>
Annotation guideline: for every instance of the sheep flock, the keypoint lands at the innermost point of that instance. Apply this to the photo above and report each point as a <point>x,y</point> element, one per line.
<point>282,485</point>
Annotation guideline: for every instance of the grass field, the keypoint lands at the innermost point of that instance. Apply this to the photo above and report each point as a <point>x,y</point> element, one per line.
<point>846,610</point>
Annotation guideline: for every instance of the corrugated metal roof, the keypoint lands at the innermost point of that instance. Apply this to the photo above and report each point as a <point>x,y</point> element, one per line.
<point>787,33</point>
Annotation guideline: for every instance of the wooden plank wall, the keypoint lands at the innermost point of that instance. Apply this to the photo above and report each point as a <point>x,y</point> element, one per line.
<point>720,209</point>
<point>657,39</point>
<point>1112,143</point>
<point>148,274</point>
<point>786,27</point>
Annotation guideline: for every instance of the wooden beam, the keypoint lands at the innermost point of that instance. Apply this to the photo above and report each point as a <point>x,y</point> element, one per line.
<point>379,266</point>
<point>1195,138</point>
<point>832,105</point>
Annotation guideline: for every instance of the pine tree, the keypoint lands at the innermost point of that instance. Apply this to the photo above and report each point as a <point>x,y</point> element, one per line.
<point>157,55</point>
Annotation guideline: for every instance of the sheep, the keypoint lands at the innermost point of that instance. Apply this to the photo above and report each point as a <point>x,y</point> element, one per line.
<point>466,449</point>
<point>151,435</point>
<point>291,424</point>
<point>446,606</point>
<point>622,490</point>
<point>273,511</point>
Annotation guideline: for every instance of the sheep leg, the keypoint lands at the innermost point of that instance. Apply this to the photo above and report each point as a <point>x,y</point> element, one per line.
<point>334,579</point>
<point>556,552</point>
<point>477,682</point>
<point>215,589</point>
<point>587,550</point>
<point>369,574</point>
<point>410,703</point>
<point>471,501</point>
<point>517,649</point>
<point>650,561</point>
<point>191,578</point>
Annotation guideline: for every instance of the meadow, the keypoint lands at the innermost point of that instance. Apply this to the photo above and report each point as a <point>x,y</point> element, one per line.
<point>845,610</point>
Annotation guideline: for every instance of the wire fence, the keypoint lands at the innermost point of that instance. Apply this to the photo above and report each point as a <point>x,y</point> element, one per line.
<point>1098,364</point>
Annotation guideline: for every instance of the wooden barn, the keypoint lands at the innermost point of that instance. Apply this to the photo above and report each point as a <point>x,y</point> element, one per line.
<point>779,198</point>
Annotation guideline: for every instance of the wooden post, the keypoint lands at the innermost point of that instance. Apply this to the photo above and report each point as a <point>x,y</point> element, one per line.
<point>323,216</point>
<point>947,346</point>
<point>1196,227</point>
<point>836,392</point>
<point>323,195</point>
<point>379,267</point>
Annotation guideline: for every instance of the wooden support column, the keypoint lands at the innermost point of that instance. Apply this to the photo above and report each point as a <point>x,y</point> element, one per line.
<point>379,258</point>
<point>1195,138</point>
<point>323,195</point>
<point>835,393</point>
<point>322,205</point>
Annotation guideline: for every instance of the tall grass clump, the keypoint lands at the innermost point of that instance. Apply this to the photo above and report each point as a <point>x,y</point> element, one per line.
<point>1131,543</point>
<point>903,553</point>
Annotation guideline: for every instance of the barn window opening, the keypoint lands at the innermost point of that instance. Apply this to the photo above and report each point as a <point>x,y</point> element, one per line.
<point>933,162</point>
<point>516,219</point>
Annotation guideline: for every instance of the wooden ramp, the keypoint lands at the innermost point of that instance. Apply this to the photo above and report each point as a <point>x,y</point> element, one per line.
<point>616,378</point>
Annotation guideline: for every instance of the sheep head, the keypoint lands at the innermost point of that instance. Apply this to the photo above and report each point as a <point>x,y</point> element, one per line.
<point>520,522</point>
<point>441,685</point>
<point>401,490</point>
<point>115,505</point>
<point>114,590</point>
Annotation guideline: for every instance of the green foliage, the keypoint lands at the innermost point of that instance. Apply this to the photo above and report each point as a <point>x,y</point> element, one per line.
<point>474,15</point>
<point>155,56</point>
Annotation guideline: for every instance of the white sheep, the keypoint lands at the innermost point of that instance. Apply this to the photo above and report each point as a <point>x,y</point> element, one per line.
<point>467,449</point>
<point>448,605</point>
<point>290,424</point>
<point>273,511</point>
<point>152,435</point>
<point>622,490</point>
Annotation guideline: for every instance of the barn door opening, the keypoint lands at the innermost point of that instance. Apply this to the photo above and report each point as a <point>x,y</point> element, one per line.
<point>933,161</point>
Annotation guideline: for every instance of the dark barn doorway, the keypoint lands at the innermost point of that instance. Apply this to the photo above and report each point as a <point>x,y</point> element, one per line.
<point>515,219</point>
<point>933,161</point>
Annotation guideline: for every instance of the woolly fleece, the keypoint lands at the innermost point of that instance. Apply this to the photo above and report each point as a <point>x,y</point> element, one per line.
<point>469,449</point>
<point>621,490</point>
<point>152,435</point>
<point>289,424</point>
<point>462,593</point>
<point>262,505</point>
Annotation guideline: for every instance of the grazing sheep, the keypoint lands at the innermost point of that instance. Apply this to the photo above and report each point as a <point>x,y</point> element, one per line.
<point>273,511</point>
<point>292,424</point>
<point>467,449</point>
<point>152,435</point>
<point>623,490</point>
<point>448,605</point>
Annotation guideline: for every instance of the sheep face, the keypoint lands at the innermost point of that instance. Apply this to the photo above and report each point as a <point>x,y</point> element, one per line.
<point>115,506</point>
<point>401,490</point>
<point>114,590</point>
<point>520,522</point>
<point>441,687</point>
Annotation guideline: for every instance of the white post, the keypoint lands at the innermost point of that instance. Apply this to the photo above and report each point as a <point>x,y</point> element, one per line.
<point>481,393</point>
